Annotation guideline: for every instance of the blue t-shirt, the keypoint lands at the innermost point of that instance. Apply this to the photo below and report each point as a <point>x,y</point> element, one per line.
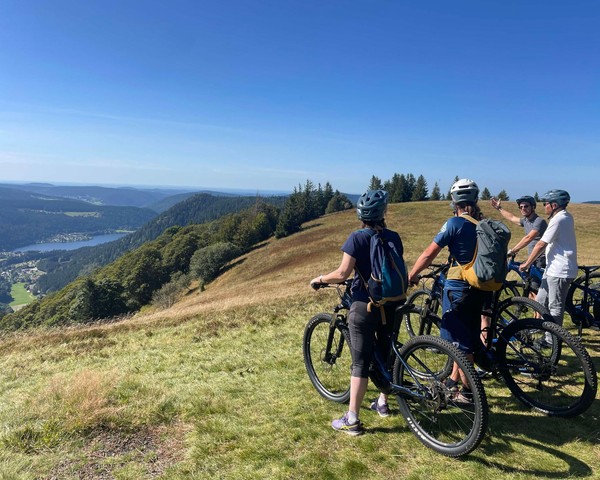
<point>458,234</point>
<point>358,246</point>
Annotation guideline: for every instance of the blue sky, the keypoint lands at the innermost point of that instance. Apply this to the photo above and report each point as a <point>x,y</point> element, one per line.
<point>263,95</point>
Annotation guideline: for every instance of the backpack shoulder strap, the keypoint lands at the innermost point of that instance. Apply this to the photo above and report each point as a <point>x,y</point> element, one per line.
<point>470,219</point>
<point>465,265</point>
<point>371,233</point>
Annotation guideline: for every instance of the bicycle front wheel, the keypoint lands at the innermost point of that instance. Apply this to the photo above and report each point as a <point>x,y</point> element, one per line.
<point>327,357</point>
<point>432,411</point>
<point>415,323</point>
<point>561,384</point>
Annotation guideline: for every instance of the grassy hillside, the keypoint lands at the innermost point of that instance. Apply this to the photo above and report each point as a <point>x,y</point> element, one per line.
<point>215,386</point>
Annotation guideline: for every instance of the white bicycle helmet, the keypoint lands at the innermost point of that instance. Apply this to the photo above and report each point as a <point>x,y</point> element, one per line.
<point>464,190</point>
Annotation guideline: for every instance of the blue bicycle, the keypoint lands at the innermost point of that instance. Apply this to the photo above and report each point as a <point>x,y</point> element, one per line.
<point>541,363</point>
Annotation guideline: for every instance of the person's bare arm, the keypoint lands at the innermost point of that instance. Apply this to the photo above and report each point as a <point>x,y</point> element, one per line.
<point>339,274</point>
<point>535,253</point>
<point>423,262</point>
<point>497,204</point>
<point>526,240</point>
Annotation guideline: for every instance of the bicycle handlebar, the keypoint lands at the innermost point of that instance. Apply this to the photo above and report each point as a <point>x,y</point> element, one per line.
<point>435,270</point>
<point>319,285</point>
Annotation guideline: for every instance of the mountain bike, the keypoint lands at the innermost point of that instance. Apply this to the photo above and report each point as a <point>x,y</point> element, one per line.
<point>414,372</point>
<point>428,300</point>
<point>524,285</point>
<point>583,297</point>
<point>541,363</point>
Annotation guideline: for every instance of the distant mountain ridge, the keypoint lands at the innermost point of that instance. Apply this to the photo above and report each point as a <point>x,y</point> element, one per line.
<point>116,196</point>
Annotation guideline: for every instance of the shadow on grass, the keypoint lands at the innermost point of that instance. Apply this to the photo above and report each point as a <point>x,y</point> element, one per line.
<point>309,227</point>
<point>575,468</point>
<point>515,426</point>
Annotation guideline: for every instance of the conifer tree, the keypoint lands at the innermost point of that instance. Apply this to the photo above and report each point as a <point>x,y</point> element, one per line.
<point>435,192</point>
<point>420,191</point>
<point>503,195</point>
<point>485,194</point>
<point>375,183</point>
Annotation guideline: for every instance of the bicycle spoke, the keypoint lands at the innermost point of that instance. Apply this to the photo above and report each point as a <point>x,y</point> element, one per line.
<point>327,358</point>
<point>438,419</point>
<point>546,368</point>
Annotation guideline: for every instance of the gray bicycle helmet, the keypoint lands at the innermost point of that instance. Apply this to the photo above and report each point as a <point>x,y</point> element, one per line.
<point>527,199</point>
<point>371,205</point>
<point>561,197</point>
<point>464,190</point>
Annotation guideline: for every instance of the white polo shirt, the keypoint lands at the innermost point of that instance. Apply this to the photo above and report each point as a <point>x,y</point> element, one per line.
<point>561,251</point>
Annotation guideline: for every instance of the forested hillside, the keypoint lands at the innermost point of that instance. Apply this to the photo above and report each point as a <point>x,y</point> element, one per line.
<point>27,218</point>
<point>65,266</point>
<point>159,269</point>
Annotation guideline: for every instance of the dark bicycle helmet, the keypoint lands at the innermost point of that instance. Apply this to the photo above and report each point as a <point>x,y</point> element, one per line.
<point>561,197</point>
<point>371,205</point>
<point>464,190</point>
<point>527,199</point>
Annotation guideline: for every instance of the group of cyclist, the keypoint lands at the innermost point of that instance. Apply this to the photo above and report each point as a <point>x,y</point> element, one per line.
<point>553,243</point>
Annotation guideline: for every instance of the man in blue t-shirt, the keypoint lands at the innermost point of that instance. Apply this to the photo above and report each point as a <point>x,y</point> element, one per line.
<point>461,303</point>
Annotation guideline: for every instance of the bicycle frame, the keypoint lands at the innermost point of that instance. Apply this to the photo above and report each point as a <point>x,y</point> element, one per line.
<point>378,362</point>
<point>383,370</point>
<point>534,273</point>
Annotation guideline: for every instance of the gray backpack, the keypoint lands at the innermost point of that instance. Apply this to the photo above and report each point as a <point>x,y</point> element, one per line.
<point>489,267</point>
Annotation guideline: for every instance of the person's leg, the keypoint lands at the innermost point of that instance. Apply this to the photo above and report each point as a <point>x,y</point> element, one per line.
<point>461,324</point>
<point>358,388</point>
<point>558,288</point>
<point>542,294</point>
<point>362,333</point>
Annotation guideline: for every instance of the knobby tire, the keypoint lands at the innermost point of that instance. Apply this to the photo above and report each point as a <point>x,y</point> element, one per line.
<point>437,419</point>
<point>563,387</point>
<point>328,368</point>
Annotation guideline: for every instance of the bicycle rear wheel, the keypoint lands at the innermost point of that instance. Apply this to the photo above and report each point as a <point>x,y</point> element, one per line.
<point>432,410</point>
<point>326,351</point>
<point>574,302</point>
<point>562,383</point>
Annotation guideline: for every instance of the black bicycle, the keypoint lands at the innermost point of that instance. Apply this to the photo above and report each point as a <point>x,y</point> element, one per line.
<point>426,318</point>
<point>414,372</point>
<point>541,363</point>
<point>583,298</point>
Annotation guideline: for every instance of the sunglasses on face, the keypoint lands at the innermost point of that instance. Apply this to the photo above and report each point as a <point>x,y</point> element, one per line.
<point>524,206</point>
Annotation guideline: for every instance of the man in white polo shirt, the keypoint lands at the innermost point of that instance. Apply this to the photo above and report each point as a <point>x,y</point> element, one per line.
<point>561,254</point>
